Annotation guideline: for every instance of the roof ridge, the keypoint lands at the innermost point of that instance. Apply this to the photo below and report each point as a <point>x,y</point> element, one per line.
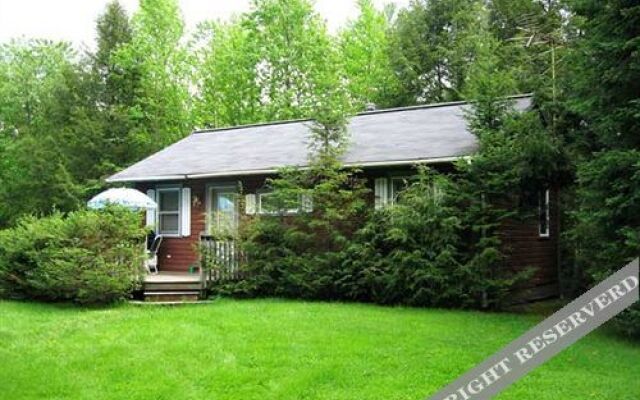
<point>266,123</point>
<point>362,113</point>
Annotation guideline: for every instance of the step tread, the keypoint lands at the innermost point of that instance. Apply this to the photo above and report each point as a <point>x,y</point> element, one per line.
<point>154,288</point>
<point>185,292</point>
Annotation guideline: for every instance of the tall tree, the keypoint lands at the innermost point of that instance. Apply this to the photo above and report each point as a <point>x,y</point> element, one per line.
<point>113,31</point>
<point>162,102</point>
<point>605,93</point>
<point>365,52</point>
<point>34,115</point>
<point>431,47</point>
<point>297,60</point>
<point>225,75</point>
<point>116,85</point>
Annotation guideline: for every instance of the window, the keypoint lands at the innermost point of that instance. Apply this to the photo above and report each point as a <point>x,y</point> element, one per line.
<point>398,184</point>
<point>169,211</point>
<point>268,204</point>
<point>543,213</point>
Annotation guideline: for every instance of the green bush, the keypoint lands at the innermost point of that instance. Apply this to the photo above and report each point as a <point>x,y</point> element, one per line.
<point>300,255</point>
<point>85,256</point>
<point>408,253</point>
<point>417,252</point>
<point>628,322</point>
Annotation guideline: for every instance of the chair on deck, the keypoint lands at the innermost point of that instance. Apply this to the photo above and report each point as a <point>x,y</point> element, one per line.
<point>151,263</point>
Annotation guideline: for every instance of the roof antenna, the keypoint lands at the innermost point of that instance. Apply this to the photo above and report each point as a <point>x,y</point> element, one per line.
<point>370,107</point>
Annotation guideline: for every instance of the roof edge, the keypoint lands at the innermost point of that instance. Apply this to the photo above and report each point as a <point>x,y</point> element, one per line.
<point>115,179</point>
<point>366,164</point>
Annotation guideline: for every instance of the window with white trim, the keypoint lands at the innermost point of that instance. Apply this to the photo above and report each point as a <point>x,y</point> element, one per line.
<point>543,213</point>
<point>168,211</point>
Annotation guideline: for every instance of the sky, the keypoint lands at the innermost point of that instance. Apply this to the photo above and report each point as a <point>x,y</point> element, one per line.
<point>74,20</point>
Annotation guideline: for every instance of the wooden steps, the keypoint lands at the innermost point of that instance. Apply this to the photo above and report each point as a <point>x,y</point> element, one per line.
<point>167,296</point>
<point>169,287</point>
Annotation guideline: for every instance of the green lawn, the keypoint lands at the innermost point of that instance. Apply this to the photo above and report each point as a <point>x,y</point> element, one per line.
<point>273,349</point>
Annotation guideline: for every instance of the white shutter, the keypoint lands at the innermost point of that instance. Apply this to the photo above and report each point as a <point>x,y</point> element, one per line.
<point>381,191</point>
<point>250,204</point>
<point>151,212</point>
<point>185,212</point>
<point>436,190</point>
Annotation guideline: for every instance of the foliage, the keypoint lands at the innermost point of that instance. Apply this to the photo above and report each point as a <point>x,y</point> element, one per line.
<point>297,58</point>
<point>364,44</point>
<point>604,95</point>
<point>34,114</point>
<point>115,86</point>
<point>226,76</point>
<point>433,45</point>
<point>85,256</point>
<point>409,253</point>
<point>276,61</point>
<point>424,251</point>
<point>155,52</point>
<point>606,232</point>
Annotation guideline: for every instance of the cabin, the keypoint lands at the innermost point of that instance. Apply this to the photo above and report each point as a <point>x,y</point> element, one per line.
<point>196,181</point>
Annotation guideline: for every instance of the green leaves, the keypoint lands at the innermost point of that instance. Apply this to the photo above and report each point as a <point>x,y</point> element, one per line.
<point>157,56</point>
<point>364,45</point>
<point>86,256</point>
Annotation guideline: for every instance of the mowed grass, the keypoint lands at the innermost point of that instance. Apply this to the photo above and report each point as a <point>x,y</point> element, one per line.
<point>276,349</point>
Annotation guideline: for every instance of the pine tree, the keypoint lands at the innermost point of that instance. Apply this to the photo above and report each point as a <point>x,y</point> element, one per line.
<point>432,47</point>
<point>605,93</point>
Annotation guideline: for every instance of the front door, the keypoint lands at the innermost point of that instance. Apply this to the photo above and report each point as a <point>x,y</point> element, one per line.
<point>224,211</point>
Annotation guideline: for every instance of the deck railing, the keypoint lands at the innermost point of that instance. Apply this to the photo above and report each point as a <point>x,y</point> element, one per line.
<point>220,259</point>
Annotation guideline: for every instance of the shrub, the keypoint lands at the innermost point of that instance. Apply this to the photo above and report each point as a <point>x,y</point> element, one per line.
<point>420,253</point>
<point>300,255</point>
<point>85,256</point>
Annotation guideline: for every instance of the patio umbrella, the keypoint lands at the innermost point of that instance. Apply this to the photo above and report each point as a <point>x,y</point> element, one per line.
<point>129,198</point>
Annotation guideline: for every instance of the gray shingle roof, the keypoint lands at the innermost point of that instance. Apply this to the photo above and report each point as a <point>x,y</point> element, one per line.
<point>429,133</point>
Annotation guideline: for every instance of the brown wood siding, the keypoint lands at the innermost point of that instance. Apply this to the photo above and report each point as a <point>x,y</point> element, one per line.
<point>525,248</point>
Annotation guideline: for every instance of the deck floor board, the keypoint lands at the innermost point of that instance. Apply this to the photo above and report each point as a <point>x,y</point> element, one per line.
<point>163,277</point>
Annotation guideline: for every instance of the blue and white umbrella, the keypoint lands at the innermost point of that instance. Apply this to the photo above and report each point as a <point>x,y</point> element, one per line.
<point>129,198</point>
